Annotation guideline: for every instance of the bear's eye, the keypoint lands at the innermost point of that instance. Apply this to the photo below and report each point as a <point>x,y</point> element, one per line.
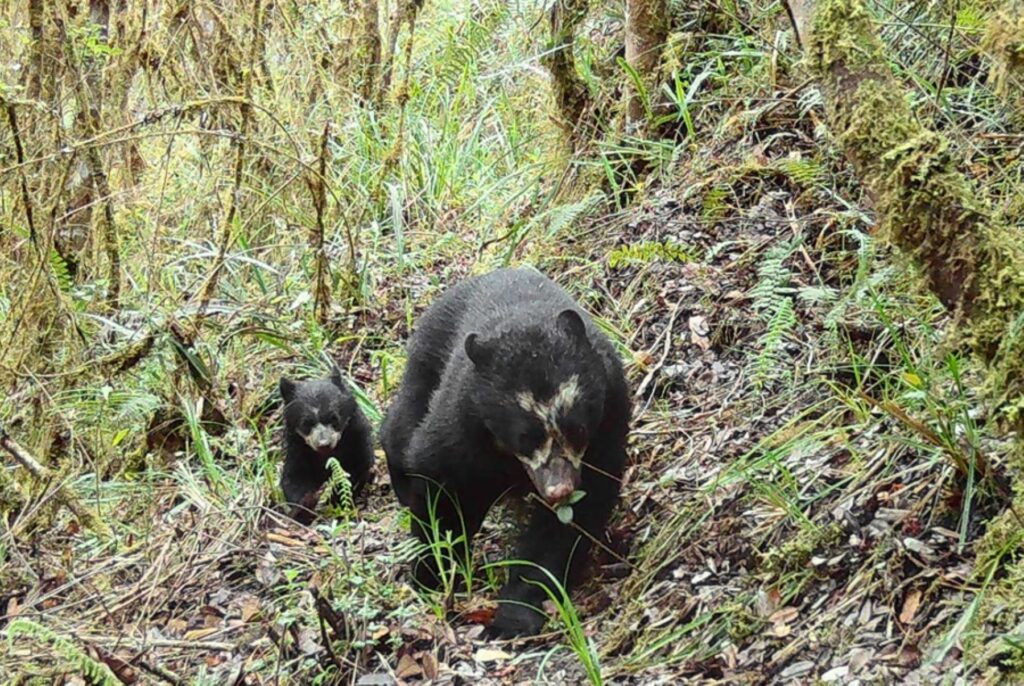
<point>576,434</point>
<point>532,437</point>
<point>305,425</point>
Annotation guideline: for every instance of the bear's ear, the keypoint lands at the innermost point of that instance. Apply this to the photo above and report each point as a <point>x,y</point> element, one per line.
<point>336,378</point>
<point>479,353</point>
<point>572,324</point>
<point>287,387</point>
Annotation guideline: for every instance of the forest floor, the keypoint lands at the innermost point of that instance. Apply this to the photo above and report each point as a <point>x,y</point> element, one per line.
<point>791,512</point>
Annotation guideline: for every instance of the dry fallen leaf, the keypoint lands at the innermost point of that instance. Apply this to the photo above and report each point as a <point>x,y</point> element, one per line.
<point>491,655</point>
<point>250,608</point>
<point>482,616</point>
<point>910,605</point>
<point>429,664</point>
<point>408,668</point>
<point>699,332</point>
<point>784,615</point>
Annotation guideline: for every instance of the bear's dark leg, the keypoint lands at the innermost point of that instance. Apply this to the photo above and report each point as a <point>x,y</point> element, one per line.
<point>557,548</point>
<point>357,452</point>
<point>405,414</point>
<point>436,515</point>
<point>300,485</point>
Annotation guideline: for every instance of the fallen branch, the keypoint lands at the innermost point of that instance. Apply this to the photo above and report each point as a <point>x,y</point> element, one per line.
<point>64,494</point>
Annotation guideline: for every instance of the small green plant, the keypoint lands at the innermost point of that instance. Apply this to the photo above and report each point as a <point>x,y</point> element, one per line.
<point>773,302</point>
<point>569,621</point>
<point>214,473</point>
<point>338,482</point>
<point>76,658</point>
<point>649,251</point>
<point>448,551</point>
<point>564,512</point>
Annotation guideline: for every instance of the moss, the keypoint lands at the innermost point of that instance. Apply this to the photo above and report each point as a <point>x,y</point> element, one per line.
<point>926,206</point>
<point>1004,44</point>
<point>971,258</point>
<point>11,498</point>
<point>795,553</point>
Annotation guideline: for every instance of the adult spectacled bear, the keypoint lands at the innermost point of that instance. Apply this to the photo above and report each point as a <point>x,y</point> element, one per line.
<point>510,387</point>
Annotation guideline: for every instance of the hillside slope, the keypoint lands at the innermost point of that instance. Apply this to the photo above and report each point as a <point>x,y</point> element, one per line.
<point>792,512</point>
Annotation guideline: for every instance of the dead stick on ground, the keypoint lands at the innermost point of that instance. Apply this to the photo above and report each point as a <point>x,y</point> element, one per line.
<point>66,496</point>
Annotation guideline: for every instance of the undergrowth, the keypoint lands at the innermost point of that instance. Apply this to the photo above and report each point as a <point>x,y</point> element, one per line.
<point>812,465</point>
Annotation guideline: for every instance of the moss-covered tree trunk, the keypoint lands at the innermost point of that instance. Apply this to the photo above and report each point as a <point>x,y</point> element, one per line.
<point>646,30</point>
<point>971,259</point>
<point>569,90</point>
<point>369,49</point>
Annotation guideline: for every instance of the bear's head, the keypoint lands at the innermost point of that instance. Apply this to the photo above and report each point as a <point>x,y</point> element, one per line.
<point>317,411</point>
<point>540,390</point>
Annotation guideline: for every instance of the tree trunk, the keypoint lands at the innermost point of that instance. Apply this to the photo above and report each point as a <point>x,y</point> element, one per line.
<point>646,31</point>
<point>971,259</point>
<point>95,187</point>
<point>39,75</point>
<point>369,50</point>
<point>571,96</point>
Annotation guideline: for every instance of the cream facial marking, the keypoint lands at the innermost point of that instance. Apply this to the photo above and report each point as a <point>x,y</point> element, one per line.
<point>322,436</point>
<point>548,413</point>
<point>563,399</point>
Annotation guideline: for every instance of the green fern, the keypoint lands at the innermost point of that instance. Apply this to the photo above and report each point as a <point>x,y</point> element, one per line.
<point>768,361</point>
<point>714,205</point>
<point>337,482</point>
<point>561,216</point>
<point>557,219</point>
<point>464,48</point>
<point>773,278</point>
<point>646,252</point>
<point>77,659</point>
<point>772,297</point>
<point>806,173</point>
<point>864,281</point>
<point>60,271</point>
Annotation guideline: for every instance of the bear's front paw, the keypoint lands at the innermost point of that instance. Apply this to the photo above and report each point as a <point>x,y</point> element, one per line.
<point>513,620</point>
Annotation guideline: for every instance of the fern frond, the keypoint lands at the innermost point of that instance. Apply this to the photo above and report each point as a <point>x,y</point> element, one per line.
<point>767,365</point>
<point>337,483</point>
<point>60,271</point>
<point>714,205</point>
<point>803,172</point>
<point>773,279</point>
<point>562,216</point>
<point>77,659</point>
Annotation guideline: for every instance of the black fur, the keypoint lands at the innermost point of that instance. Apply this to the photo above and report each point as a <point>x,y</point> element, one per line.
<point>456,423</point>
<point>330,402</point>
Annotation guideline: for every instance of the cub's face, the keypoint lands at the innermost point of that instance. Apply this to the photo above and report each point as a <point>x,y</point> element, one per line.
<point>540,393</point>
<point>317,411</point>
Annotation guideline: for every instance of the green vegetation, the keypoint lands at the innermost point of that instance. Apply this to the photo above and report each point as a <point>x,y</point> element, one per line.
<point>197,198</point>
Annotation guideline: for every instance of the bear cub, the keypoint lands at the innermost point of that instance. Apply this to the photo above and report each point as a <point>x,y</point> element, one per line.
<point>509,387</point>
<point>321,421</point>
